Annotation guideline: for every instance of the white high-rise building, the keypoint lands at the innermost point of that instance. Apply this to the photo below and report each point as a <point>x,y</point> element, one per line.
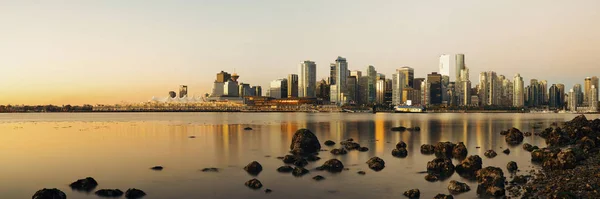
<point>593,99</point>
<point>445,65</point>
<point>341,73</point>
<point>307,79</point>
<point>398,85</point>
<point>518,91</point>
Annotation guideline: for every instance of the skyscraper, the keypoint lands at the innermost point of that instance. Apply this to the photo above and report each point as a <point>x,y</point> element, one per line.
<point>417,83</point>
<point>445,65</point>
<point>323,90</point>
<point>371,87</point>
<point>593,98</point>
<point>589,82</point>
<point>292,85</point>
<point>332,73</point>
<point>572,100</point>
<point>434,81</point>
<point>338,90</point>
<point>460,65</point>
<point>554,97</point>
<point>223,77</point>
<point>561,89</point>
<point>489,91</point>
<point>363,91</point>
<point>352,88</point>
<point>578,91</point>
<point>534,94</point>
<point>518,91</point>
<point>398,84</point>
<point>409,76</point>
<point>307,79</point>
<point>183,91</point>
<point>257,90</point>
<point>544,92</point>
<point>278,88</point>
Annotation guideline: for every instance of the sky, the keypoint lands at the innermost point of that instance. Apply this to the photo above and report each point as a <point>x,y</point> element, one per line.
<point>112,51</point>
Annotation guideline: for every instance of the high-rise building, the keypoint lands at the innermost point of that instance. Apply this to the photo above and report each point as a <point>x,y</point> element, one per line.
<point>417,83</point>
<point>231,89</point>
<point>352,88</point>
<point>339,90</point>
<point>425,93</point>
<point>578,91</point>
<point>572,103</point>
<point>518,91</point>
<point>223,77</point>
<point>278,88</point>
<point>307,79</point>
<point>489,91</point>
<point>292,85</point>
<point>356,73</point>
<point>363,91</point>
<point>183,91</point>
<point>534,94</point>
<point>506,96</point>
<point>380,89</point>
<point>245,90</point>
<point>172,94</point>
<point>387,96</point>
<point>371,87</point>
<point>593,98</point>
<point>398,84</point>
<point>554,97</point>
<point>588,83</point>
<point>460,65</point>
<point>445,65</point>
<point>595,84</point>
<point>257,90</point>
<point>409,75</point>
<point>561,89</point>
<point>323,91</point>
<point>332,73</point>
<point>434,81</point>
<point>544,92</point>
<point>445,91</point>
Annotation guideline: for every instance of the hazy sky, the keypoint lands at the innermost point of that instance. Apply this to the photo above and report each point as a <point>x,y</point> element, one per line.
<point>109,51</point>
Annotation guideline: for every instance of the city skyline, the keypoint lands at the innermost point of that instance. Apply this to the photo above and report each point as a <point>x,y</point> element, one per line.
<point>112,51</point>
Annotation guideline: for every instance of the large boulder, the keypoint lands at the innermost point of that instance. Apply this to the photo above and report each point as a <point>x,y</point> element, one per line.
<point>376,163</point>
<point>253,184</point>
<point>512,166</point>
<point>254,168</point>
<point>459,151</point>
<point>305,142</point>
<point>565,159</point>
<point>444,149</point>
<point>109,193</point>
<point>440,166</point>
<point>514,136</point>
<point>491,182</point>
<point>401,153</point>
<point>49,194</point>
<point>427,149</point>
<point>469,166</point>
<point>333,165</point>
<point>87,184</point>
<point>134,194</point>
<point>458,187</point>
<point>413,193</point>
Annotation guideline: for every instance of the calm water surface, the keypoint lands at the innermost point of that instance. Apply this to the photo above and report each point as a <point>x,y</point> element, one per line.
<point>117,149</point>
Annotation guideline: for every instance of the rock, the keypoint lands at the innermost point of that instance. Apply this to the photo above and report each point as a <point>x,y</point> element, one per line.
<point>318,178</point>
<point>134,193</point>
<point>520,179</point>
<point>528,147</point>
<point>247,128</point>
<point>540,155</point>
<point>305,142</point>
<point>329,143</point>
<point>469,166</point>
<point>416,128</point>
<point>157,168</point>
<point>340,151</point>
<point>443,196</point>
<point>579,121</point>
<point>350,145</point>
<point>109,193</point>
<point>376,163</point>
<point>268,190</point>
<point>299,171</point>
<point>401,153</point>
<point>289,159</point>
<point>401,145</point>
<point>586,143</point>
<point>212,169</point>
<point>285,169</point>
<point>444,149</point>
<point>427,149</point>
<point>506,151</point>
<point>565,159</point>
<point>400,128</point>
<point>254,168</point>
<point>253,184</point>
<point>333,165</point>
<point>361,173</point>
<point>491,182</point>
<point>527,134</point>
<point>512,166</point>
<point>312,158</point>
<point>490,153</point>
<point>458,187</point>
<point>192,137</point>
<point>301,162</point>
<point>514,136</point>
<point>459,151</point>
<point>413,193</point>
<point>431,177</point>
<point>88,184</point>
<point>49,194</point>
<point>363,149</point>
<point>440,166</point>
<point>503,133</point>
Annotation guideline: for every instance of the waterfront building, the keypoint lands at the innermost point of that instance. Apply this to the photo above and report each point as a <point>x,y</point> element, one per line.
<point>257,90</point>
<point>577,89</point>
<point>409,76</point>
<point>307,79</point>
<point>489,91</point>
<point>371,86</point>
<point>434,81</point>
<point>398,84</point>
<point>363,90</point>
<point>417,83</point>
<point>231,89</point>
<point>352,87</point>
<point>278,88</point>
<point>572,102</point>
<point>554,97</point>
<point>292,85</point>
<point>323,90</point>
<point>338,89</point>
<point>380,89</point>
<point>544,92</point>
<point>183,91</point>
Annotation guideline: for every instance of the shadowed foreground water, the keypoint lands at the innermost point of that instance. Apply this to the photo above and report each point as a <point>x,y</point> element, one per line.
<point>117,149</point>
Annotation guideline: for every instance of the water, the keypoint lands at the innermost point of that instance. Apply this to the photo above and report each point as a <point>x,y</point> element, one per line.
<point>117,149</point>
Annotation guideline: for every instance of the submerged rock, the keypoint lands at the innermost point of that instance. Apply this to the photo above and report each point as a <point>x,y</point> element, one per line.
<point>305,142</point>
<point>285,169</point>
<point>134,193</point>
<point>254,168</point>
<point>333,165</point>
<point>458,187</point>
<point>212,169</point>
<point>432,177</point>
<point>443,196</point>
<point>491,182</point>
<point>440,166</point>
<point>469,166</point>
<point>109,193</point>
<point>329,143</point>
<point>490,153</point>
<point>512,166</point>
<point>49,194</point>
<point>401,153</point>
<point>506,151</point>
<point>289,159</point>
<point>299,171</point>
<point>318,178</point>
<point>361,173</point>
<point>363,149</point>
<point>340,151</point>
<point>413,193</point>
<point>427,149</point>
<point>514,136</point>
<point>459,151</point>
<point>376,163</point>
<point>268,190</point>
<point>399,128</point>
<point>444,149</point>
<point>400,145</point>
<point>254,184</point>
<point>157,168</point>
<point>87,184</point>
<point>301,162</point>
<point>247,128</point>
<point>528,147</point>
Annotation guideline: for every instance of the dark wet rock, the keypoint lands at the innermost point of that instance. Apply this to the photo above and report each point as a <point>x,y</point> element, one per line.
<point>527,134</point>
<point>350,145</point>
<point>49,194</point>
<point>305,142</point>
<point>281,158</point>
<point>333,165</point>
<point>469,166</point>
<point>506,151</point>
<point>192,137</point>
<point>512,166</point>
<point>301,162</point>
<point>427,149</point>
<point>528,147</point>
<point>416,128</point>
<point>289,159</point>
<point>491,182</point>
<point>268,190</point>
<point>211,169</point>
<point>318,178</point>
<point>299,171</point>
<point>586,143</point>
<point>376,163</point>
<point>134,193</point>
<point>401,145</point>
<point>285,169</point>
<point>444,149</point>
<point>340,151</point>
<point>540,155</point>
<point>361,173</point>
<point>312,158</point>
<point>87,184</point>
<point>363,149</point>
<point>349,140</point>
<point>399,128</point>
<point>520,179</point>
<point>443,196</point>
<point>490,153</point>
<point>503,132</point>
<point>254,168</point>
<point>459,151</point>
<point>329,143</point>
<point>247,128</point>
<point>413,193</point>
<point>440,166</point>
<point>514,136</point>
<point>565,159</point>
<point>432,177</point>
<point>477,147</point>
<point>253,184</point>
<point>401,153</point>
<point>458,187</point>
<point>109,193</point>
<point>157,168</point>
